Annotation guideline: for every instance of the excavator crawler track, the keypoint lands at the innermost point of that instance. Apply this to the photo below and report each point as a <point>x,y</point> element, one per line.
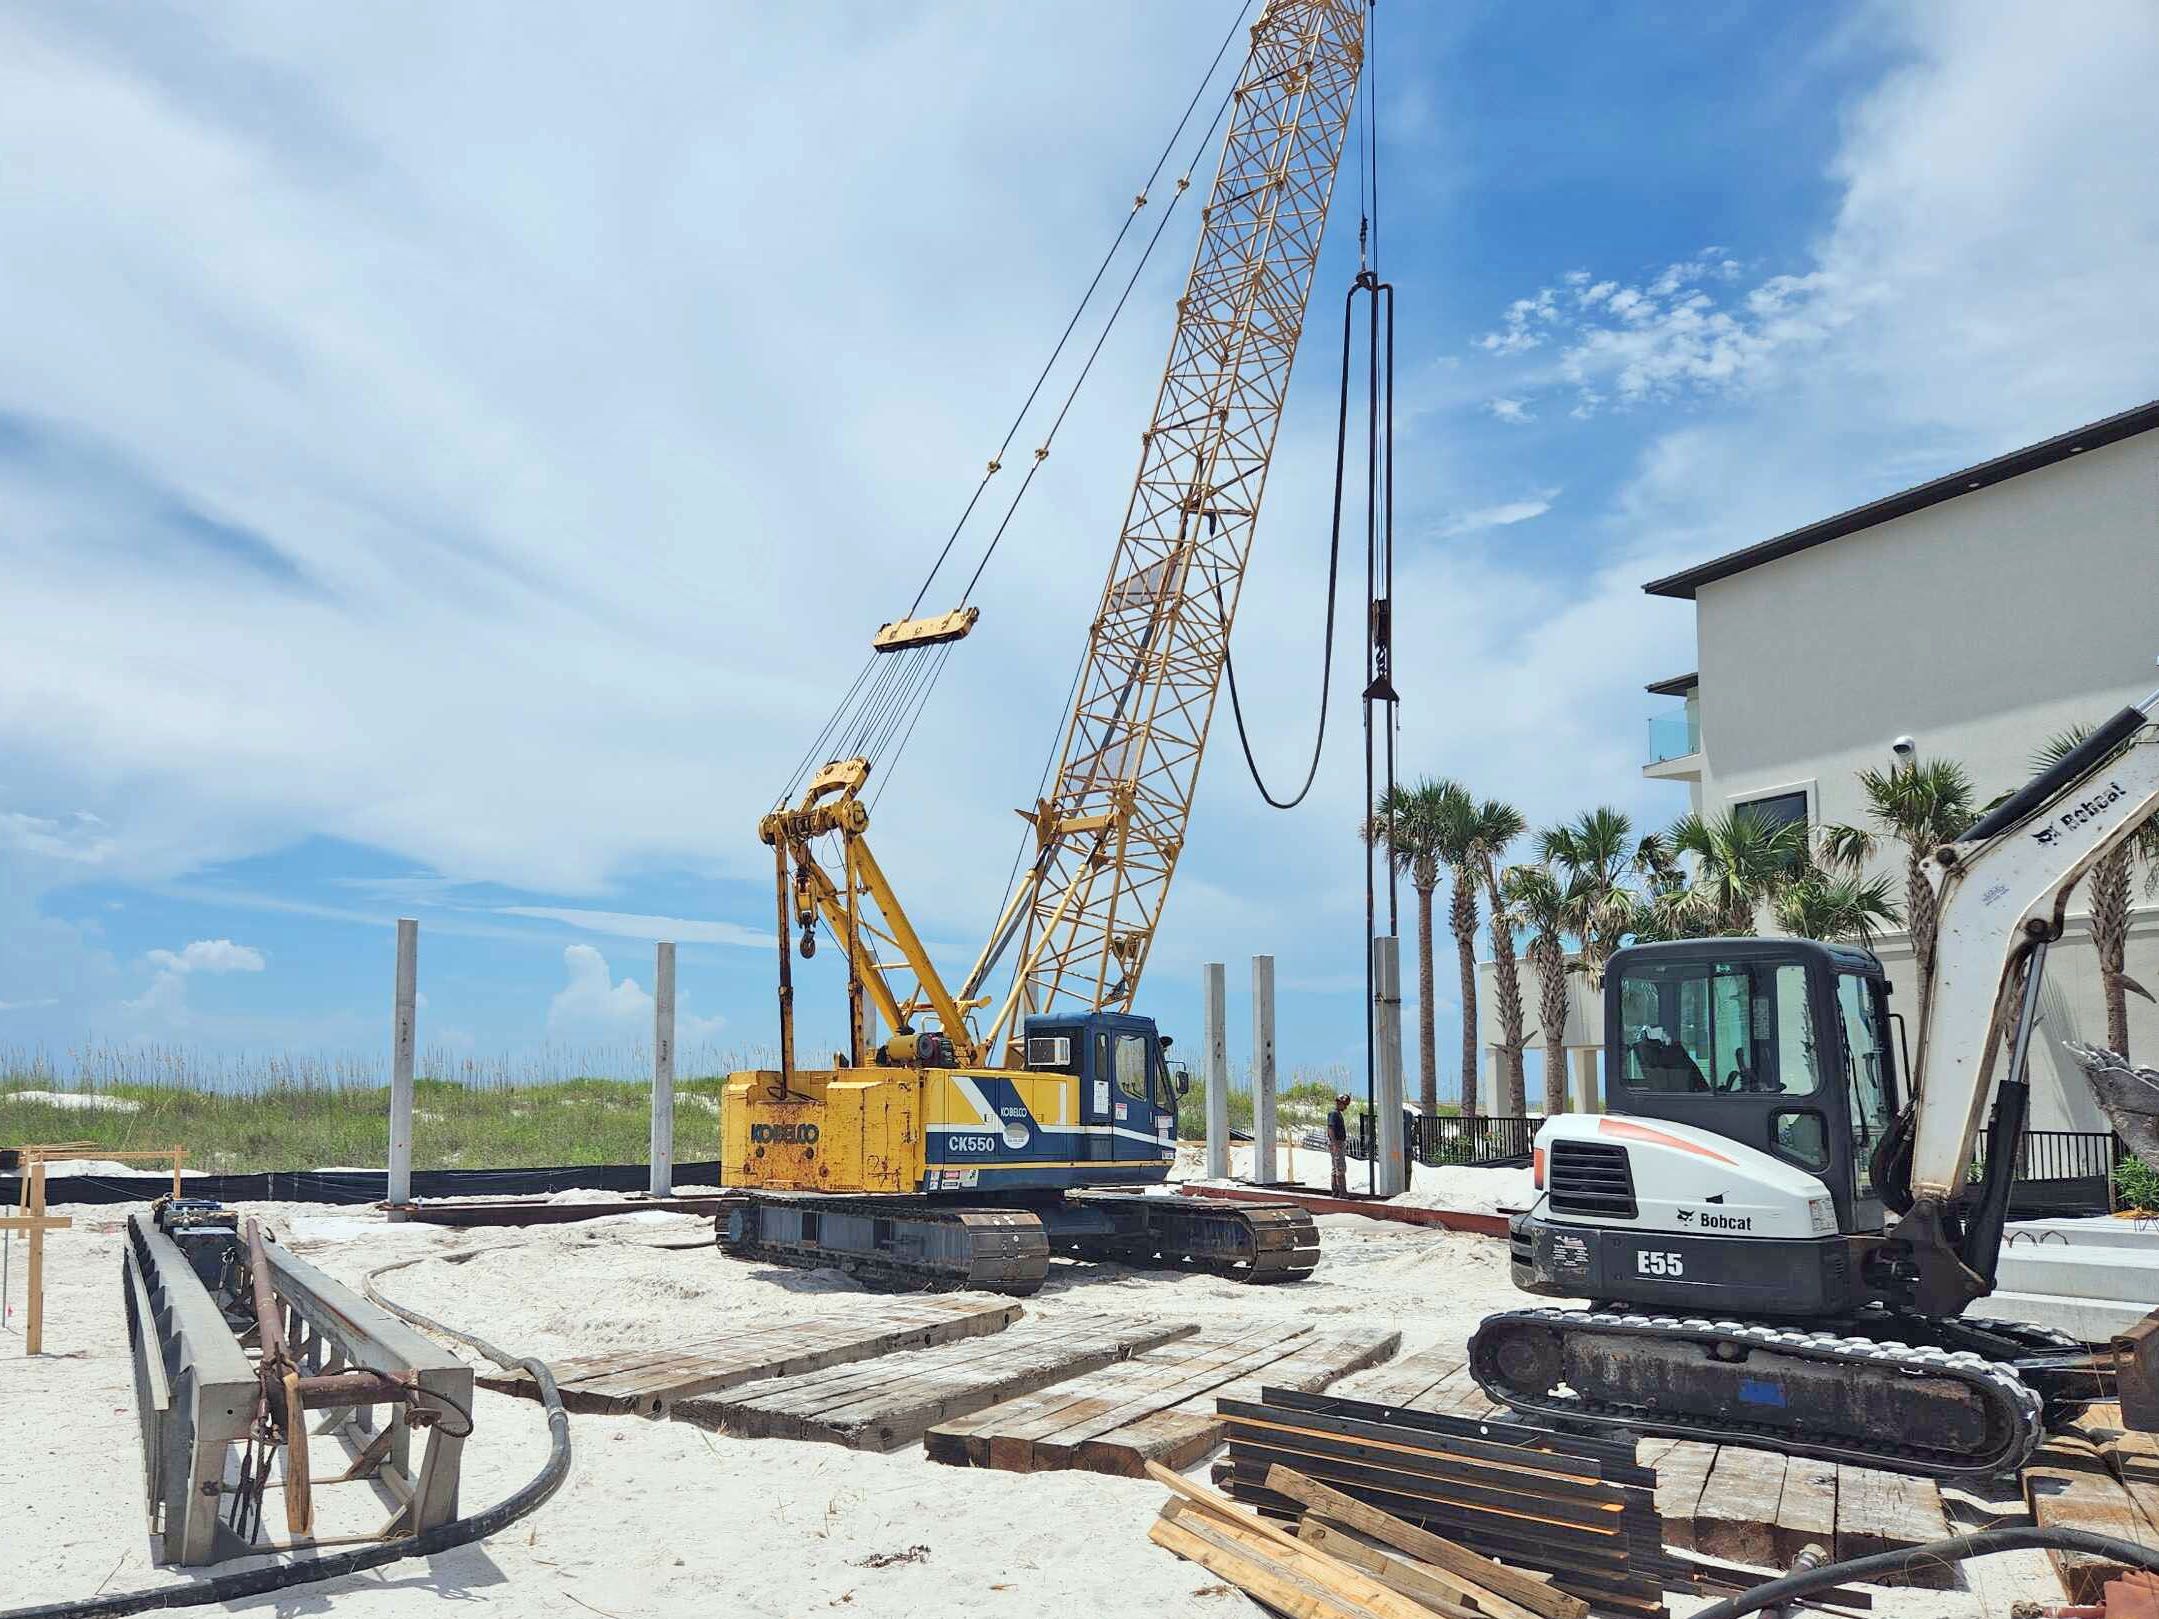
<point>1854,1399</point>
<point>898,1241</point>
<point>1248,1242</point>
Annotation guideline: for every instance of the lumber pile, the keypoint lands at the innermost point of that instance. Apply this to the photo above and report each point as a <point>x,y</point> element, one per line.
<point>1577,1513</point>
<point>1345,1560</point>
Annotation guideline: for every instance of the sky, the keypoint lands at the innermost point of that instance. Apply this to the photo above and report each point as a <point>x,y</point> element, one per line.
<point>452,459</point>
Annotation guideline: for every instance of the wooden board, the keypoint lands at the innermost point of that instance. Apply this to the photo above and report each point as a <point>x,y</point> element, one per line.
<point>1682,1471</point>
<point>1186,1432</point>
<point>649,1380</point>
<point>1408,1380</point>
<point>1879,1512</point>
<point>2070,1484</point>
<point>1048,1430</point>
<point>890,1401</point>
<point>2132,1457</point>
<point>1735,1517</point>
<point>1744,1505</point>
<point>1807,1513</point>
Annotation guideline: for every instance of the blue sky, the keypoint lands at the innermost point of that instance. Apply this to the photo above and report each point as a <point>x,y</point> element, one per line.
<point>449,457</point>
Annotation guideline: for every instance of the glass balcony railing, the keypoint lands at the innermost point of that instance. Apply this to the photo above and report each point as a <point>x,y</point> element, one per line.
<point>1674,736</point>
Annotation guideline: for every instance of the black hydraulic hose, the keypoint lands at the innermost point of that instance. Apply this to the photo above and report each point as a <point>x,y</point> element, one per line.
<point>336,1565</point>
<point>1957,1549</point>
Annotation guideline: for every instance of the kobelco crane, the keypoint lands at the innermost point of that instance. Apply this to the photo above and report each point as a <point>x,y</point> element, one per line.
<point>957,1140</point>
<point>1781,1237</point>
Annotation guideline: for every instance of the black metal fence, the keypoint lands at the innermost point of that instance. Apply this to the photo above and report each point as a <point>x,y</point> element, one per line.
<point>2066,1172</point>
<point>1489,1141</point>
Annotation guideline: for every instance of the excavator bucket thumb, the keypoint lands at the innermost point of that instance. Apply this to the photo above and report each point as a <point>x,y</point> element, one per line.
<point>2136,1374</point>
<point>2128,1096</point>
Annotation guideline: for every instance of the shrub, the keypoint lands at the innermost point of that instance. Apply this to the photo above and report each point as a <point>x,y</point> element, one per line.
<point>2136,1185</point>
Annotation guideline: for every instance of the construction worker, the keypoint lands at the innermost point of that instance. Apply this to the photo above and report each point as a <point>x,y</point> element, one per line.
<point>1338,1144</point>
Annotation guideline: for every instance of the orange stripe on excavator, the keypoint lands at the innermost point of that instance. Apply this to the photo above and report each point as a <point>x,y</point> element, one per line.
<point>1642,1132</point>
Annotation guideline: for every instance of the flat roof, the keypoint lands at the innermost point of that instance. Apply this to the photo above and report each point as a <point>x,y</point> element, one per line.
<point>1677,686</point>
<point>2140,419</point>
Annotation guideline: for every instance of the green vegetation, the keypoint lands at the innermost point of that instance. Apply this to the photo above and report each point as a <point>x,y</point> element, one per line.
<point>2136,1186</point>
<point>315,1118</point>
<point>1301,1105</point>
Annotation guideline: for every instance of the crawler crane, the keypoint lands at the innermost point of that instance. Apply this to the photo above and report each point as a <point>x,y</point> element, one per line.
<point>967,1135</point>
<point>1780,1244</point>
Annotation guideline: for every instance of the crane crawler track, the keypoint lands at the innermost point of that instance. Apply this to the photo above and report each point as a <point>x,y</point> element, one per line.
<point>1815,1393</point>
<point>1247,1242</point>
<point>903,1241</point>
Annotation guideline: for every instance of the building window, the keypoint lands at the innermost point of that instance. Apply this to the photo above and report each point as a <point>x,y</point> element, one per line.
<point>1779,809</point>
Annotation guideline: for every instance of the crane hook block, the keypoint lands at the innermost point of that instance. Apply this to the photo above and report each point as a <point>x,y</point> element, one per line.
<point>907,632</point>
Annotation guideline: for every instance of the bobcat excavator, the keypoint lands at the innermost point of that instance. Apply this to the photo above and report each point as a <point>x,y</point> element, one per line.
<point>962,1137</point>
<point>1780,1237</point>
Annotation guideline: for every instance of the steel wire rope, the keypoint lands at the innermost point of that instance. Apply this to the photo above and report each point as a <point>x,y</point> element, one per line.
<point>840,714</point>
<point>1184,184</point>
<point>1041,454</point>
<point>1334,559</point>
<point>996,461</point>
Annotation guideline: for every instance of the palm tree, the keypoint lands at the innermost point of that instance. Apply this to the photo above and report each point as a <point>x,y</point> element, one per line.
<point>1537,901</point>
<point>1416,824</point>
<point>1843,908</point>
<point>1462,835</point>
<point>2107,888</point>
<point>1498,825</point>
<point>1922,805</point>
<point>1742,861</point>
<point>1594,855</point>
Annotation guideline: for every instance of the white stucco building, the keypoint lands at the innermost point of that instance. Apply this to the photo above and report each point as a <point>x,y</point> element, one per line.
<point>1979,614</point>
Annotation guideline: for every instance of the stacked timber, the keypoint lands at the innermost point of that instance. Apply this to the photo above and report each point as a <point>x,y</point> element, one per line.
<point>1346,1560</point>
<point>1577,1510</point>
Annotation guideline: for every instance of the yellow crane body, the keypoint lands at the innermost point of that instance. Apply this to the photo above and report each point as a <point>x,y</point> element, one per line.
<point>1062,1087</point>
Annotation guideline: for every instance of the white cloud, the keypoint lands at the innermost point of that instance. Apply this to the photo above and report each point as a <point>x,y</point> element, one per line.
<point>1509,410</point>
<point>208,956</point>
<point>593,1003</point>
<point>1668,336</point>
<point>166,998</point>
<point>30,1005</point>
<point>78,840</point>
<point>628,925</point>
<point>1504,515</point>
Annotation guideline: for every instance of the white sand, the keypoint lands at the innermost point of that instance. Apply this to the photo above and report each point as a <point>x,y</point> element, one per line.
<point>661,1519</point>
<point>77,1101</point>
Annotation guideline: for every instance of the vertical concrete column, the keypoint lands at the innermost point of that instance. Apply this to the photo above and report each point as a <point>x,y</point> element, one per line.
<point>401,1045</point>
<point>663,1071</point>
<point>1217,1040</point>
<point>1588,1094</point>
<point>1389,1174</point>
<point>1263,1120</point>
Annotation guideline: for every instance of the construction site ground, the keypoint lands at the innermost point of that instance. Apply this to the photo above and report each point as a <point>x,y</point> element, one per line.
<point>689,1517</point>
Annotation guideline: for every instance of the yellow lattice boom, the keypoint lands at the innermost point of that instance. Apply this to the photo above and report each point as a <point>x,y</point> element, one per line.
<point>1114,823</point>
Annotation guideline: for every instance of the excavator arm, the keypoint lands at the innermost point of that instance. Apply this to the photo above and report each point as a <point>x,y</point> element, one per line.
<point>2004,889</point>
